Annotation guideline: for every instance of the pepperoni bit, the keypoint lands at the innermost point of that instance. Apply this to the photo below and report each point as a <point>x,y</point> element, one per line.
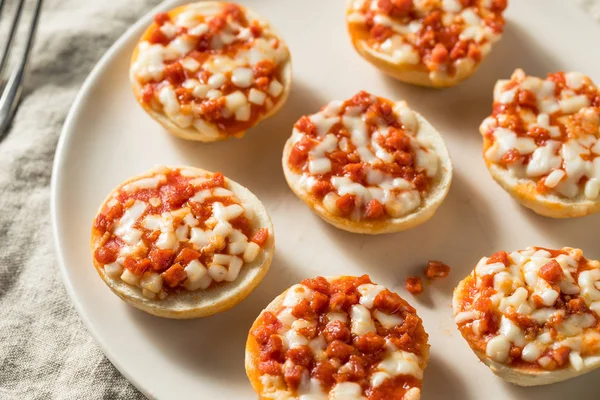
<point>183,95</point>
<point>292,375</point>
<point>354,369</point>
<point>217,180</point>
<point>439,54</point>
<point>361,99</point>
<point>158,37</point>
<point>161,258</point>
<point>397,140</point>
<point>273,349</point>
<point>261,236</point>
<point>355,172</point>
<point>262,83</point>
<point>255,29</point>
<point>374,210</point>
<point>233,10</point>
<point>319,302</point>
<point>305,125</point>
<point>105,220</point>
<point>515,352</point>
<point>174,275</point>
<point>561,355</point>
<point>321,188</point>
<point>302,310</point>
<point>106,255</point>
<point>299,155</point>
<point>551,272</point>
<point>216,24</point>
<point>511,156</point>
<point>526,98</point>
<point>264,68</point>
<point>175,74</point>
<point>369,343</point>
<point>270,367</point>
<point>381,32</point>
<point>324,371</point>
<point>436,270</point>
<point>319,284</point>
<point>336,330</point>
<point>340,350</point>
<point>300,355</point>
<point>346,204</point>
<point>270,325</point>
<point>389,302</point>
<point>176,195</point>
<point>138,267</point>
<point>161,18</point>
<point>499,5</point>
<point>500,257</point>
<point>414,285</point>
<point>576,305</point>
<point>474,52</point>
<point>395,8</point>
<point>212,110</point>
<point>186,255</point>
<point>459,50</point>
<point>148,94</point>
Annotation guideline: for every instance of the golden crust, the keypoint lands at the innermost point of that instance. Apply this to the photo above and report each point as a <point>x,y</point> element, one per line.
<point>433,200</point>
<point>524,190</point>
<point>409,73</point>
<point>252,351</point>
<point>192,133</point>
<point>518,375</point>
<point>218,298</point>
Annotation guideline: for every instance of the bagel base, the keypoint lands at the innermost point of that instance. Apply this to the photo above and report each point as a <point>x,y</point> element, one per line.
<point>524,189</point>
<point>219,296</point>
<point>411,73</point>
<point>433,199</point>
<point>211,133</point>
<point>522,376</point>
<point>252,352</point>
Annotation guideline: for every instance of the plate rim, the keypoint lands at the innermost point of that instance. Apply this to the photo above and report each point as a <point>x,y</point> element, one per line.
<point>56,182</point>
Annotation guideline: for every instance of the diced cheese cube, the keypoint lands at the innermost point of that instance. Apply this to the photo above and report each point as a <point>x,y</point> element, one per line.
<point>200,237</point>
<point>242,77</point>
<point>234,269</point>
<point>195,271</point>
<point>251,252</point>
<point>129,277</point>
<point>243,113</point>
<point>216,80</point>
<point>217,272</point>
<point>113,270</point>
<point>222,259</point>
<point>190,64</point>
<point>256,97</point>
<point>151,281</point>
<point>235,100</point>
<point>275,88</point>
<point>237,247</point>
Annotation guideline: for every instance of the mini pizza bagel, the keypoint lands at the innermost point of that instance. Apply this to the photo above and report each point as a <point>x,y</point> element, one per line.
<point>541,142</point>
<point>435,43</point>
<point>337,338</point>
<point>532,316</point>
<point>208,71</point>
<point>368,165</point>
<point>181,242</point>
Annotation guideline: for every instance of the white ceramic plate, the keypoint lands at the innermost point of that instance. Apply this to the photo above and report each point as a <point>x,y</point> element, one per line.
<point>108,138</point>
